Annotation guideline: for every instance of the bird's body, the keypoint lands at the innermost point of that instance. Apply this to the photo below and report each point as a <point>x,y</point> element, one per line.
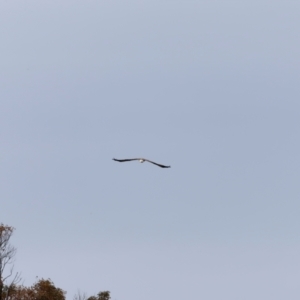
<point>141,160</point>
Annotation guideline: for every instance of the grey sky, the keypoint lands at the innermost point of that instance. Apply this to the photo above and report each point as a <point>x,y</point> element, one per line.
<point>208,87</point>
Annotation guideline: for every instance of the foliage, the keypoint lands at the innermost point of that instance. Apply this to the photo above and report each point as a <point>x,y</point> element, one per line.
<point>41,290</point>
<point>45,290</point>
<point>101,296</point>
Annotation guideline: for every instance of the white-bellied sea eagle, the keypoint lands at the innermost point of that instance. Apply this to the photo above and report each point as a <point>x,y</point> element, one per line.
<point>141,160</point>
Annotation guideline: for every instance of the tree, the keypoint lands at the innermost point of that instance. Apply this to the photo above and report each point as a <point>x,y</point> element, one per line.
<point>7,254</point>
<point>20,293</point>
<point>46,290</point>
<point>101,296</point>
<point>41,290</point>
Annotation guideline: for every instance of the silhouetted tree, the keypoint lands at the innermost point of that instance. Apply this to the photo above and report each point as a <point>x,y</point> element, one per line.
<point>7,253</point>
<point>101,296</point>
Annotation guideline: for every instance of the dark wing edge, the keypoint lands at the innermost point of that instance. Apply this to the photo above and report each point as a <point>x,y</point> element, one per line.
<point>162,166</point>
<point>122,160</point>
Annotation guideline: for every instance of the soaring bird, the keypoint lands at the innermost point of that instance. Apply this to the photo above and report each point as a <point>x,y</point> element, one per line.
<point>141,160</point>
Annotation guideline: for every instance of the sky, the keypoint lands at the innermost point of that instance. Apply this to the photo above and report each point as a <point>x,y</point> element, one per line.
<point>208,87</point>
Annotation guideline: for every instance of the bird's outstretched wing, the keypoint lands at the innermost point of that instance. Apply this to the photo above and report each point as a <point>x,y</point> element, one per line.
<point>162,166</point>
<point>122,160</point>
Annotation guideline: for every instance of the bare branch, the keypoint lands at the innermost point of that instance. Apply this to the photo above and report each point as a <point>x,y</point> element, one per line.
<point>80,296</point>
<point>7,254</point>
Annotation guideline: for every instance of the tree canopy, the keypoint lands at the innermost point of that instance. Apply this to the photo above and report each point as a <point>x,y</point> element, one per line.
<point>101,296</point>
<point>43,289</point>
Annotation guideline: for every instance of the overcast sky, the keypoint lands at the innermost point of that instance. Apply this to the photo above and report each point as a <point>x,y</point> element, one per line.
<point>208,87</point>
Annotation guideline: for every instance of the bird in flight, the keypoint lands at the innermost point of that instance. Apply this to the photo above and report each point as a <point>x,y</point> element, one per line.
<point>141,160</point>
